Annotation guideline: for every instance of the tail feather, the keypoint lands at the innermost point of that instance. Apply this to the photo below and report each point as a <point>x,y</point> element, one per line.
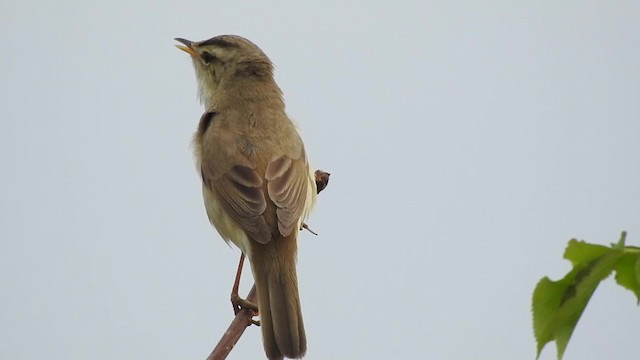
<point>278,299</point>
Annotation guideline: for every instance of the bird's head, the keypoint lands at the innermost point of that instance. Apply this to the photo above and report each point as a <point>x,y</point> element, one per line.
<point>225,60</point>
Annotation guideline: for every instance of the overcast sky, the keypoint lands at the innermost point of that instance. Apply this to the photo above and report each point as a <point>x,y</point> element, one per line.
<point>468,141</point>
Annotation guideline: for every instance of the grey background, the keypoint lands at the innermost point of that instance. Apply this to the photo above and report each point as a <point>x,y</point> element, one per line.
<point>468,142</point>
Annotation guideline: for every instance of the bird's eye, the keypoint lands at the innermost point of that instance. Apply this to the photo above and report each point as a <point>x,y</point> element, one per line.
<point>207,57</point>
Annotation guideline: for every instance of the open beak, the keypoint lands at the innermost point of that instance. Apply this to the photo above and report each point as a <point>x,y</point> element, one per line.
<point>186,47</point>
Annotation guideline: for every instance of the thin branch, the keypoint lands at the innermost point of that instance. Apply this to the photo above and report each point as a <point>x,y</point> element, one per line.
<point>235,330</point>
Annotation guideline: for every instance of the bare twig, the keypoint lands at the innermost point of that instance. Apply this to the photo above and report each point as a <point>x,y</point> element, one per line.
<point>244,317</point>
<point>235,330</point>
<point>306,227</point>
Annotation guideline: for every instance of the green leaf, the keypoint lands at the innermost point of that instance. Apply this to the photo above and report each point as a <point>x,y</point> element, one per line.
<point>558,305</point>
<point>579,252</point>
<point>628,271</point>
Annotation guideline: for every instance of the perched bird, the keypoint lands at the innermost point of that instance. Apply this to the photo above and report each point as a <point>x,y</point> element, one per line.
<point>257,184</point>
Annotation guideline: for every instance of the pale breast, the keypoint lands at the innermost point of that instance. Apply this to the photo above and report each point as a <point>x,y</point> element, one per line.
<point>225,226</point>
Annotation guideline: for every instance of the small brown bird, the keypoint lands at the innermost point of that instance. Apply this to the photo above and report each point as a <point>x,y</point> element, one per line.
<point>257,184</point>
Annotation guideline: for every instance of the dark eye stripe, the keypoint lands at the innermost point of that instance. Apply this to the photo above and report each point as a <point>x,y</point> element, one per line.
<point>207,57</point>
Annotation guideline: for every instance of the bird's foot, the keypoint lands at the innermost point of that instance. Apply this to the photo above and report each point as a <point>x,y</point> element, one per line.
<point>239,303</point>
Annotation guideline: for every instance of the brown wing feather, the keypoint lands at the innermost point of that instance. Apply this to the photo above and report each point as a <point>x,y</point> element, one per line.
<point>239,191</point>
<point>232,177</point>
<point>287,184</point>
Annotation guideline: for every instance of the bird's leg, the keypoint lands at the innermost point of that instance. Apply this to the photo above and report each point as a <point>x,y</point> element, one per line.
<point>237,302</point>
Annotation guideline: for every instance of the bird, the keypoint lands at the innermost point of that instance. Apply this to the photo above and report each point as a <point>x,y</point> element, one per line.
<point>257,184</point>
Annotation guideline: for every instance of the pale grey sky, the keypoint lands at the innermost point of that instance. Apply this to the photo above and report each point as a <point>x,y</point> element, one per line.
<point>468,141</point>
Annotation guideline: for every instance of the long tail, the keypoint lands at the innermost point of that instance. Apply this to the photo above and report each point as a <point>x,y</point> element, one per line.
<point>274,270</point>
